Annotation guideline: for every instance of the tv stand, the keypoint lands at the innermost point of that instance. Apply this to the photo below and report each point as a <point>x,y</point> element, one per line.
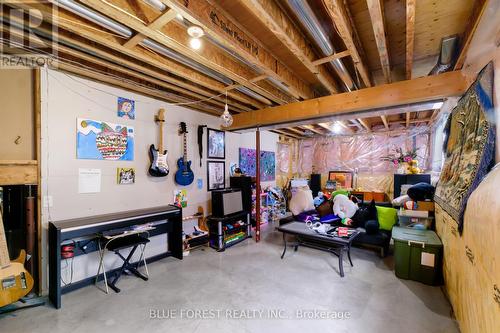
<point>227,231</point>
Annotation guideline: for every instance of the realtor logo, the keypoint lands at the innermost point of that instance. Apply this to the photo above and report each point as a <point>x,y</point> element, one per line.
<point>27,37</point>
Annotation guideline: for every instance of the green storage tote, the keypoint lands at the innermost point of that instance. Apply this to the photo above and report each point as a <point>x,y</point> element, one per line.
<point>417,255</point>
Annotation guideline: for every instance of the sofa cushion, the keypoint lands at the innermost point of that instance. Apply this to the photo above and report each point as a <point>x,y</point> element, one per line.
<point>387,217</point>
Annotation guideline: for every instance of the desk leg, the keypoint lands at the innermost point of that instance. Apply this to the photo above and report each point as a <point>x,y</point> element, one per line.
<point>284,250</point>
<point>341,264</point>
<point>55,266</point>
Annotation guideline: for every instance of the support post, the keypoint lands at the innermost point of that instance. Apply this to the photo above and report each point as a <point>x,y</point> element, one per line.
<point>257,185</point>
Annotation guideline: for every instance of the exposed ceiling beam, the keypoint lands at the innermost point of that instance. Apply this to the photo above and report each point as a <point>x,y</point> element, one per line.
<point>163,19</point>
<point>384,120</point>
<point>365,124</point>
<point>312,129</point>
<point>376,10</point>
<point>384,96</point>
<point>340,18</point>
<point>407,119</point>
<point>470,29</point>
<point>222,27</point>
<point>81,28</point>
<point>410,36</point>
<point>270,15</point>
<point>294,130</point>
<point>332,57</point>
<point>287,134</point>
<point>175,37</point>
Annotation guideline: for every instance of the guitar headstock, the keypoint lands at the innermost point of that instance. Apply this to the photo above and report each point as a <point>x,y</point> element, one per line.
<point>182,128</point>
<point>160,117</point>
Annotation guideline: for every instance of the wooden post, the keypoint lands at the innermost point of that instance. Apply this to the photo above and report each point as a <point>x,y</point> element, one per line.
<point>257,185</point>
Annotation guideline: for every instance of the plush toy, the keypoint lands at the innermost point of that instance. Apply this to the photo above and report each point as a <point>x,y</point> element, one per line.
<point>346,221</point>
<point>413,167</point>
<point>343,207</point>
<point>301,201</point>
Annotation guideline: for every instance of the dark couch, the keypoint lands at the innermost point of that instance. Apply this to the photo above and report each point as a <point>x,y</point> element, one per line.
<point>378,240</point>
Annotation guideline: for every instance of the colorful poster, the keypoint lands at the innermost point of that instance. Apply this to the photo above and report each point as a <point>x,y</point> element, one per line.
<point>180,198</point>
<point>126,108</point>
<point>99,140</point>
<point>125,176</point>
<point>267,163</point>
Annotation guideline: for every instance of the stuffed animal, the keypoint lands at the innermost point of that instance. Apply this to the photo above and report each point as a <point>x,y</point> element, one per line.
<point>319,199</point>
<point>343,207</point>
<point>301,201</point>
<point>413,167</point>
<point>346,221</point>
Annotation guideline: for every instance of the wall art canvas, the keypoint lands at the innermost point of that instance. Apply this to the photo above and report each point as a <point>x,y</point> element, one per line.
<point>125,176</point>
<point>180,198</point>
<point>126,108</point>
<point>469,147</point>
<point>247,163</point>
<point>216,178</point>
<point>216,143</point>
<point>340,179</point>
<point>99,140</point>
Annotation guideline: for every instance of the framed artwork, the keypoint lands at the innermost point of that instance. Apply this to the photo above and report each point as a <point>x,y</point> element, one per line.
<point>125,176</point>
<point>99,140</point>
<point>180,198</point>
<point>126,108</point>
<point>247,161</point>
<point>216,143</point>
<point>342,179</point>
<point>216,178</point>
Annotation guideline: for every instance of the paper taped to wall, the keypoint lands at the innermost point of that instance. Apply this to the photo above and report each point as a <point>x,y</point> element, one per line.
<point>89,180</point>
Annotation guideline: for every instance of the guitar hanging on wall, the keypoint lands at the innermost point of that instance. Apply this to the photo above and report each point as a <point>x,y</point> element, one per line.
<point>15,281</point>
<point>159,166</point>
<point>184,176</point>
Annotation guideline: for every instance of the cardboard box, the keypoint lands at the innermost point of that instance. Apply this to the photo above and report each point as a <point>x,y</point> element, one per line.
<point>425,205</point>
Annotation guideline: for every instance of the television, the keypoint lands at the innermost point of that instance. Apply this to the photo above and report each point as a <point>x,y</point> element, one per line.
<point>226,202</point>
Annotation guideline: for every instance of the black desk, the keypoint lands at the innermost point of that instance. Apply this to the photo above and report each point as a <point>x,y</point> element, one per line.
<point>61,231</point>
<point>310,238</point>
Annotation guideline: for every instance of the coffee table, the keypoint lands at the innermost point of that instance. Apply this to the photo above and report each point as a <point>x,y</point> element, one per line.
<point>310,238</point>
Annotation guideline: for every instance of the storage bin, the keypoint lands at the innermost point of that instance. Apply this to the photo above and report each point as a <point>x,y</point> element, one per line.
<point>410,222</point>
<point>417,255</point>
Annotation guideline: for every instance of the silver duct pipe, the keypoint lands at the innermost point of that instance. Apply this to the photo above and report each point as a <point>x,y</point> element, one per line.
<point>446,56</point>
<point>156,4</point>
<point>124,31</point>
<point>312,25</point>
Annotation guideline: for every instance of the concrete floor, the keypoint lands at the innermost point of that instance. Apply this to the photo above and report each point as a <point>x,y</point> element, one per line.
<point>251,277</point>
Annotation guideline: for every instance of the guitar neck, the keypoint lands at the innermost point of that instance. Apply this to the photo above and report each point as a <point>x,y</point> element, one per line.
<point>4,251</point>
<point>160,145</point>
<point>185,148</point>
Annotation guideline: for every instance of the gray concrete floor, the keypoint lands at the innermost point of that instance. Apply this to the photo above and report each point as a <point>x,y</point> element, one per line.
<point>250,277</point>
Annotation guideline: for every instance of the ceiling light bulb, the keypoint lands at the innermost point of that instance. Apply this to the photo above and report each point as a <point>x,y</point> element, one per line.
<point>227,119</point>
<point>336,128</point>
<point>179,17</point>
<point>195,43</point>
<point>195,31</point>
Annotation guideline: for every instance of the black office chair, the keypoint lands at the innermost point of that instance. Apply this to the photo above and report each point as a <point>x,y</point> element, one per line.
<point>115,244</point>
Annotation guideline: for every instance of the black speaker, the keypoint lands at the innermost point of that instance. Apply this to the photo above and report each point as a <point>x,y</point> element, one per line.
<point>315,184</point>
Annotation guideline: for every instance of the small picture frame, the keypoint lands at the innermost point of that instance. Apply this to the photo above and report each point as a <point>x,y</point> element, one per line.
<point>125,176</point>
<point>126,108</point>
<point>216,175</point>
<point>342,179</point>
<point>216,144</point>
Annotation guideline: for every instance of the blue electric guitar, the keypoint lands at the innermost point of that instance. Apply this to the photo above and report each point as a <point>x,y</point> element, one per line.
<point>159,166</point>
<point>184,176</point>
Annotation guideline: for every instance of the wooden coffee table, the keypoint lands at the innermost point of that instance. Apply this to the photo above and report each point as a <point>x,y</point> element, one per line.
<point>310,238</point>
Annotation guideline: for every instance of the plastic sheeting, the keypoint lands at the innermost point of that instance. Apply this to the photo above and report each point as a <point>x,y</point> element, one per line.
<point>361,151</point>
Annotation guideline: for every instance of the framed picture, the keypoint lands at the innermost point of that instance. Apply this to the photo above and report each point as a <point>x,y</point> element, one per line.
<point>216,143</point>
<point>343,179</point>
<point>216,177</point>
<point>126,108</point>
<point>125,176</point>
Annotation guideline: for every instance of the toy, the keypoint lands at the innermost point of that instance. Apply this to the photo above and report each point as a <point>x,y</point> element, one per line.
<point>413,167</point>
<point>343,207</point>
<point>346,221</point>
<point>410,205</point>
<point>319,199</point>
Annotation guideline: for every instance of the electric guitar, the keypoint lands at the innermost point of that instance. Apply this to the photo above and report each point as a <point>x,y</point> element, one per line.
<point>159,166</point>
<point>15,281</point>
<point>184,176</point>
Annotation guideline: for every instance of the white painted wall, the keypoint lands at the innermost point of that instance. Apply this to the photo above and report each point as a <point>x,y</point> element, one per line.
<point>64,99</point>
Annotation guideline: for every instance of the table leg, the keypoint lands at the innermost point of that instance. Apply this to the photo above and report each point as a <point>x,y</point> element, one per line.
<point>349,254</point>
<point>284,250</point>
<point>341,265</point>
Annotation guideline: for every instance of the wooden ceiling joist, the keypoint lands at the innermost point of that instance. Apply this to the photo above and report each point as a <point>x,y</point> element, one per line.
<point>384,96</point>
<point>270,15</point>
<point>174,36</point>
<point>365,124</point>
<point>410,36</point>
<point>384,120</point>
<point>81,28</point>
<point>162,20</point>
<point>312,129</point>
<point>222,27</point>
<point>332,57</point>
<point>294,136</point>
<point>340,19</point>
<point>376,10</point>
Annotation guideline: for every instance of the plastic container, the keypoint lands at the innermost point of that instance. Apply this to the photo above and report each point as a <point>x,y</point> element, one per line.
<point>415,222</point>
<point>417,255</point>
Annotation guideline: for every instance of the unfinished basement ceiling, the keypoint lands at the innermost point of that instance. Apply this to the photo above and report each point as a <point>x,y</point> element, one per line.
<point>261,52</point>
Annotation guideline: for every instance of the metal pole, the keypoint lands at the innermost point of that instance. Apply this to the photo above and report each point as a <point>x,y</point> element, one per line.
<point>257,185</point>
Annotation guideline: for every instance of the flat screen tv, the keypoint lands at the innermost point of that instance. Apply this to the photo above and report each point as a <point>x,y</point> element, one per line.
<point>226,202</point>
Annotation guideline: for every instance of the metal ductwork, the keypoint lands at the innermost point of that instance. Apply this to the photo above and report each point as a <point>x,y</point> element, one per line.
<point>310,22</point>
<point>126,32</point>
<point>156,4</point>
<point>446,56</point>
